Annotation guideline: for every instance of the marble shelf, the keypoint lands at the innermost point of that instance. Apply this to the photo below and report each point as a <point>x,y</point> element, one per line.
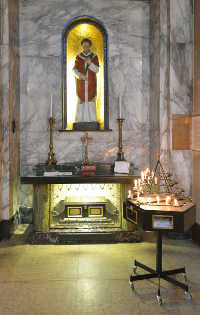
<point>83,131</point>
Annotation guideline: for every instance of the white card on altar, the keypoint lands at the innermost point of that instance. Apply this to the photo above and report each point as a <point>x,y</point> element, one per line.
<point>57,174</point>
<point>122,167</point>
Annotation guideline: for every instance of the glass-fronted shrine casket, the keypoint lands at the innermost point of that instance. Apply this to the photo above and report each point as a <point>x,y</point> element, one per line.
<point>76,202</point>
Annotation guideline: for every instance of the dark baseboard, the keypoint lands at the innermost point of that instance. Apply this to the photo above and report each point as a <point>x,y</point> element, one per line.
<point>196,233</point>
<point>5,229</point>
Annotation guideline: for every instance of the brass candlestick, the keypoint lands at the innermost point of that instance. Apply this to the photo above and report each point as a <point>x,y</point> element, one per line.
<point>51,155</point>
<point>120,154</point>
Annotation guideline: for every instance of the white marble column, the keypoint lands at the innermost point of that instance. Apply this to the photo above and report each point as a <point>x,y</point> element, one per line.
<point>171,82</point>
<point>9,90</point>
<point>181,80</point>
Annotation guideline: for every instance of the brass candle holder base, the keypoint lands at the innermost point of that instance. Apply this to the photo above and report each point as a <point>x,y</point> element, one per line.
<point>120,154</point>
<point>51,155</point>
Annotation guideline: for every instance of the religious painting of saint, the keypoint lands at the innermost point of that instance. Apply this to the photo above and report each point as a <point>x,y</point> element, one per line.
<point>84,75</point>
<point>85,70</point>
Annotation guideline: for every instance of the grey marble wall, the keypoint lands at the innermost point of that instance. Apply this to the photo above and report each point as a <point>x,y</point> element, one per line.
<point>149,99</point>
<point>41,24</point>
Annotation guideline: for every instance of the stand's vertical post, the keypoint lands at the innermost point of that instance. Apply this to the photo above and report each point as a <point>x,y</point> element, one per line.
<point>120,154</point>
<point>159,253</point>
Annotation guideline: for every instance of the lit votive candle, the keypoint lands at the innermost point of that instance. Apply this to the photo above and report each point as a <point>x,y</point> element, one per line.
<point>176,204</point>
<point>135,182</point>
<point>148,173</point>
<point>168,200</point>
<point>149,200</point>
<point>158,200</point>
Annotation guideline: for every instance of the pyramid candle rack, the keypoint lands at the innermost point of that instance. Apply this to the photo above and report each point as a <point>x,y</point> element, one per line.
<point>158,187</point>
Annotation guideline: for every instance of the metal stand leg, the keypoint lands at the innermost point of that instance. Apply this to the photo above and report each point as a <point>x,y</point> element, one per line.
<point>159,264</point>
<point>159,273</point>
<point>159,299</point>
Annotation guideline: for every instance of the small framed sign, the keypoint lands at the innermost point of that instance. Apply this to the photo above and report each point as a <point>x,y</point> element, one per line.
<point>162,222</point>
<point>122,167</point>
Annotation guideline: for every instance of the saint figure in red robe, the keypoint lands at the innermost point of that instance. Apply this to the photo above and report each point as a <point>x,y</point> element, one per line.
<point>85,70</point>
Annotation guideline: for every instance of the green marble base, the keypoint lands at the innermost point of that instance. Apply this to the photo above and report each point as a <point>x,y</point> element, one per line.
<point>84,237</point>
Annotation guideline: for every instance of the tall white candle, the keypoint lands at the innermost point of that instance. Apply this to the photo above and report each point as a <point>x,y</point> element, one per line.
<point>51,108</point>
<point>120,107</point>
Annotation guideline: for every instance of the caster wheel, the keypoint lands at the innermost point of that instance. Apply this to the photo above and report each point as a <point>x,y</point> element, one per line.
<point>159,299</point>
<point>131,284</point>
<point>134,269</point>
<point>188,295</point>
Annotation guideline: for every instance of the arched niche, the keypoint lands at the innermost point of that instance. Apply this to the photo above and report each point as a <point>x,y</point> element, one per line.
<point>74,31</point>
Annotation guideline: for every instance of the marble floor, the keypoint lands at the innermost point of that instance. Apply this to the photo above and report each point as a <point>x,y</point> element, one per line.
<point>92,279</point>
